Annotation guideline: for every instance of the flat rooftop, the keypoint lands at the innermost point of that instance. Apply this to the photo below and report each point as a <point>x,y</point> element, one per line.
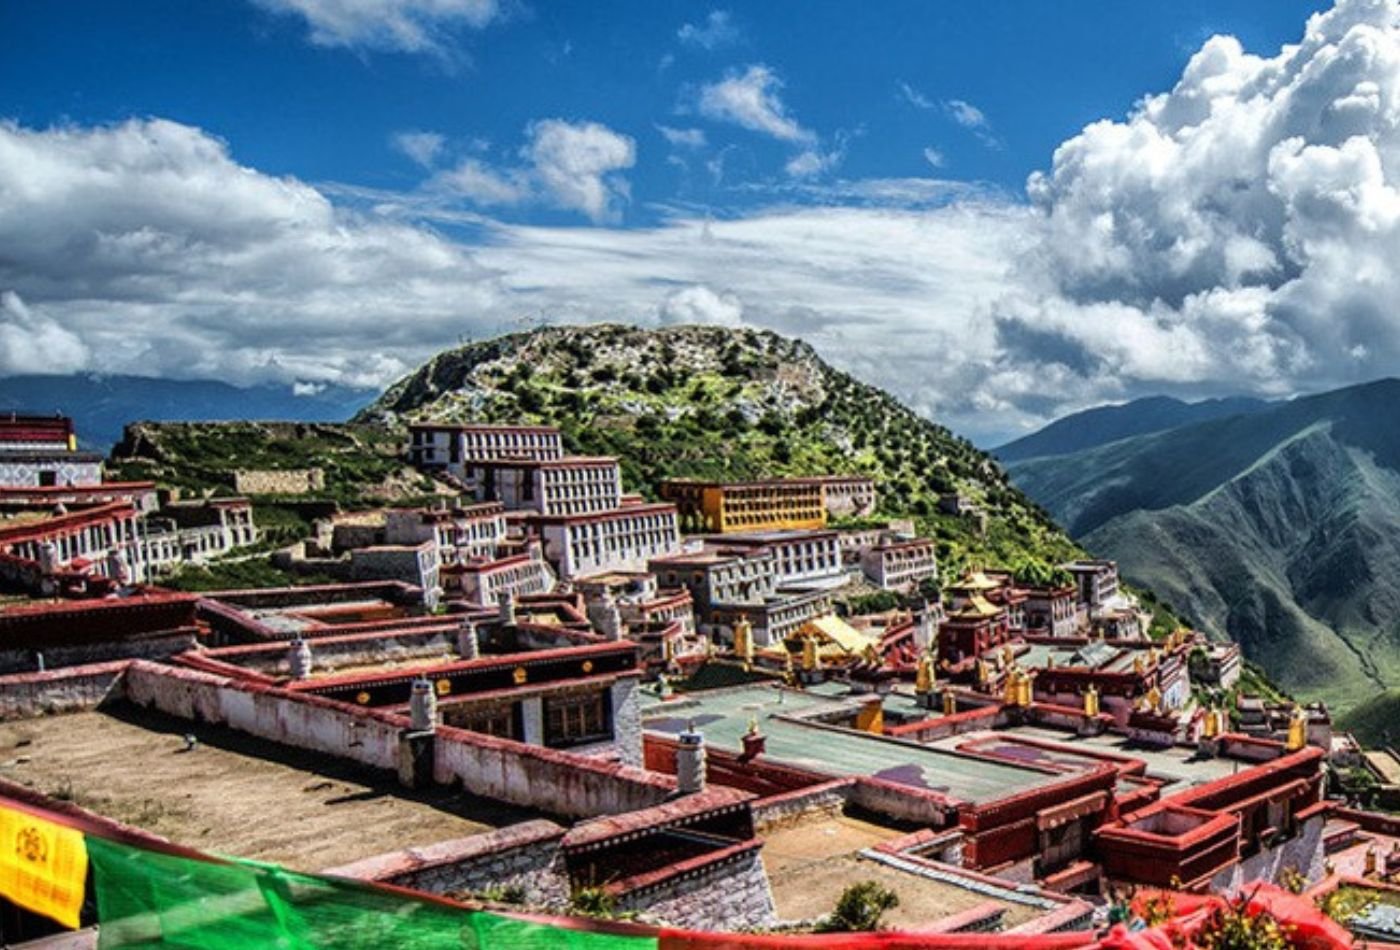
<point>810,864</point>
<point>723,716</point>
<point>233,794</point>
<point>1177,767</point>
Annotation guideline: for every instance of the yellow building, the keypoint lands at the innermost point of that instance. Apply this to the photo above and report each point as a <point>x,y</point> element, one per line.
<point>768,505</point>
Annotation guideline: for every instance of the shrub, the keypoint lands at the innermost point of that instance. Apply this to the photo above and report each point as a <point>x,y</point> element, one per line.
<point>860,908</point>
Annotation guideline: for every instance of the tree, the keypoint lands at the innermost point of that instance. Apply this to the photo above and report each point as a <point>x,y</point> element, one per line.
<point>860,908</point>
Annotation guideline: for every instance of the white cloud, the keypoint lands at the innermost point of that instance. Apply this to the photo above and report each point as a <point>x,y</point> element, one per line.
<point>914,97</point>
<point>573,166</point>
<point>411,26</point>
<point>147,244</point>
<point>751,99</point>
<point>700,304</point>
<point>578,165</point>
<point>683,138</point>
<point>33,343</point>
<point>814,162</point>
<point>482,185</point>
<point>966,114</point>
<point>1238,232</point>
<point>718,30</point>
<point>1245,224</point>
<point>934,157</point>
<point>422,147</point>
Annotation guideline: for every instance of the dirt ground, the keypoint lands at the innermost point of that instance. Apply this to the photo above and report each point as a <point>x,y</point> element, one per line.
<point>810,865</point>
<point>233,794</point>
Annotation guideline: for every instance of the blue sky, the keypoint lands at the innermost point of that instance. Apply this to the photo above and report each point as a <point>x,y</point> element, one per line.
<point>1037,72</point>
<point>1001,211</point>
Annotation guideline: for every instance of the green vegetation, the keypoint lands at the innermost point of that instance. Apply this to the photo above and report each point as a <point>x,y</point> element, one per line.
<point>238,574</point>
<point>1347,902</point>
<point>860,908</point>
<point>709,402</point>
<point>361,463</point>
<point>1376,722</point>
<point>1273,528</point>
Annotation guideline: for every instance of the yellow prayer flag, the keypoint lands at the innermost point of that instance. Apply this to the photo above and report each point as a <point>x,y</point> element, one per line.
<point>43,866</point>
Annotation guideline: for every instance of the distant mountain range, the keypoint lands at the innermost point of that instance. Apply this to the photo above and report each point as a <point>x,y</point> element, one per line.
<point>1104,424</point>
<point>1278,526</point>
<point>101,405</point>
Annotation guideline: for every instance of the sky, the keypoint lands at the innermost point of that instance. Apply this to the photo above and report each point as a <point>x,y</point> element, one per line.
<point>1000,212</point>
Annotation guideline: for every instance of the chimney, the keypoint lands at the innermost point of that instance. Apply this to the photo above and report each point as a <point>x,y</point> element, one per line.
<point>754,743</point>
<point>690,762</point>
<point>422,706</point>
<point>299,657</point>
<point>468,646</point>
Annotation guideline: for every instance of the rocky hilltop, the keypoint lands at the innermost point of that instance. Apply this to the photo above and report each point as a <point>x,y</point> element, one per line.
<point>727,403</point>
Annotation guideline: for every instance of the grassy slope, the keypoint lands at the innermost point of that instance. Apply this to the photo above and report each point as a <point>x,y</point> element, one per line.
<point>1377,720</point>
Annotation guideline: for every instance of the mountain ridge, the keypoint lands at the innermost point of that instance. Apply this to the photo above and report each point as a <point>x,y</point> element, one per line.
<point>102,405</point>
<point>1275,529</point>
<point>1104,424</point>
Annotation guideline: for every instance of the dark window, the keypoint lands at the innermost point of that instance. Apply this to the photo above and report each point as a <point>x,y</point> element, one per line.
<point>574,720</point>
<point>502,722</point>
<point>48,479</point>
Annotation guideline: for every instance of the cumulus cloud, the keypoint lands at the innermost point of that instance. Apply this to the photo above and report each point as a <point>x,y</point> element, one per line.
<point>752,99</point>
<point>568,165</point>
<point>422,147</point>
<point>148,244</point>
<point>1242,229</point>
<point>716,31</point>
<point>700,304</point>
<point>410,26</point>
<point>32,343</point>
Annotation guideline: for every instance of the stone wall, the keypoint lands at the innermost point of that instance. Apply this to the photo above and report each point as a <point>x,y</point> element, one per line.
<point>819,802</point>
<point>727,890</point>
<point>27,695</point>
<point>1302,853</point>
<point>903,803</point>
<point>555,782</point>
<point>627,720</point>
<point>292,481</point>
<point>525,856</point>
<point>302,721</point>
<point>149,648</point>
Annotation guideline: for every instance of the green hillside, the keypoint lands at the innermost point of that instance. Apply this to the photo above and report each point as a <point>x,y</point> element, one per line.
<point>1376,722</point>
<point>724,403</point>
<point>1279,529</point>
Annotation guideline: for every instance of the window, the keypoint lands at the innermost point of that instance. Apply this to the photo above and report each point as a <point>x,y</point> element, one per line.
<point>574,720</point>
<point>502,722</point>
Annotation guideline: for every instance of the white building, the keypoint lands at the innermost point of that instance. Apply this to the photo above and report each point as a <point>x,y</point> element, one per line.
<point>576,485</point>
<point>450,447</point>
<point>622,539</point>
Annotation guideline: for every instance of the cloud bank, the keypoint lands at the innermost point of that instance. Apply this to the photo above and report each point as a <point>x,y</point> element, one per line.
<point>1237,232</point>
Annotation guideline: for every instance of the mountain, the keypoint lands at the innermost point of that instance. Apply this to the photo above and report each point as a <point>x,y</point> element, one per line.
<point>1279,528</point>
<point>726,403</point>
<point>1376,722</point>
<point>1104,424</point>
<point>102,405</point>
